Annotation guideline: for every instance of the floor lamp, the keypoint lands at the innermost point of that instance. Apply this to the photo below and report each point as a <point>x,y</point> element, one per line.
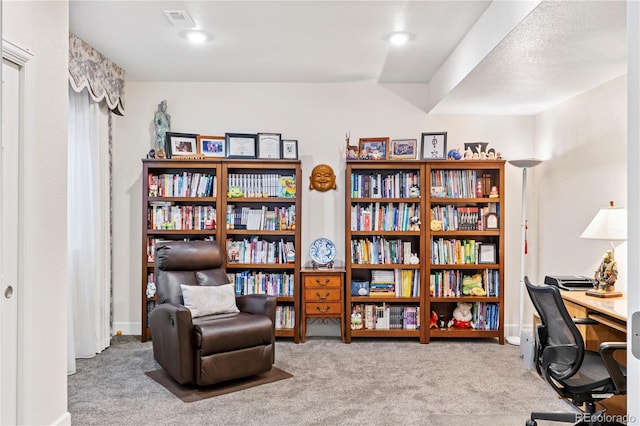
<point>524,165</point>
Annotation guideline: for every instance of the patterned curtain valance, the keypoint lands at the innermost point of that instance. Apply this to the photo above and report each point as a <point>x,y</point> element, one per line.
<point>102,78</point>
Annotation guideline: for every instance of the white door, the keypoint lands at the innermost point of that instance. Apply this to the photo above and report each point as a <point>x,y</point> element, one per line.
<point>9,182</point>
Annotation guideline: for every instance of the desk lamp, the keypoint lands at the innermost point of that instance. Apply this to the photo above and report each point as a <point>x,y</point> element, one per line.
<point>524,165</point>
<point>608,224</point>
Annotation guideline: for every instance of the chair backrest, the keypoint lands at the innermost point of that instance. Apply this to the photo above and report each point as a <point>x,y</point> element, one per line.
<point>558,328</point>
<point>188,263</point>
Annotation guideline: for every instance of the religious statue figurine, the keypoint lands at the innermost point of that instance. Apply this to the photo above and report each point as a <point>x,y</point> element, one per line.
<point>607,273</point>
<point>162,122</point>
<point>322,178</point>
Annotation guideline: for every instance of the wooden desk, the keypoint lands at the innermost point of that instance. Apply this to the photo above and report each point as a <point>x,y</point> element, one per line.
<point>611,313</point>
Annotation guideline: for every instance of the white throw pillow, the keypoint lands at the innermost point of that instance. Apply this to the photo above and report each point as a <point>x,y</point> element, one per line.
<point>209,300</point>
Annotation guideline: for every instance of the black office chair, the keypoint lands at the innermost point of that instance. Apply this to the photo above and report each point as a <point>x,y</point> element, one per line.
<point>582,377</point>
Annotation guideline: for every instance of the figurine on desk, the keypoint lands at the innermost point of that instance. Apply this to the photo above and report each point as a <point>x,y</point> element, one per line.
<point>607,273</point>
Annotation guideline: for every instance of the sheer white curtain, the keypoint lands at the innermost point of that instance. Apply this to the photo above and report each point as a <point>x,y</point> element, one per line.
<point>88,229</point>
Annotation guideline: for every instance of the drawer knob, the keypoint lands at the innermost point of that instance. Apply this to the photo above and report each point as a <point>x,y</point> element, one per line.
<point>324,311</point>
<point>321,296</point>
<point>326,281</point>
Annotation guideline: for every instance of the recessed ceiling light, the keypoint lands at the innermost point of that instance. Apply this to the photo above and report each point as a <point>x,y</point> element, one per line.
<point>400,38</point>
<point>196,36</point>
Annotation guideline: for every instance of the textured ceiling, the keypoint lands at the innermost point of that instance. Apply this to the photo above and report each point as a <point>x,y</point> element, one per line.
<point>560,49</point>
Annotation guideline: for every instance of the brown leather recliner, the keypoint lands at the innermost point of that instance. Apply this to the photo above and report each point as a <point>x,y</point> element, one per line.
<point>211,348</point>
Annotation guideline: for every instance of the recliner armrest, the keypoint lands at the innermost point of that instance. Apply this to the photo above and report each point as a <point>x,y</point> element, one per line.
<point>607,349</point>
<point>172,338</point>
<point>259,304</point>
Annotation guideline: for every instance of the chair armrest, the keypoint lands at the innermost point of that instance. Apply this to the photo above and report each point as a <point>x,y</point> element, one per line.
<point>607,350</point>
<point>172,338</point>
<point>587,321</point>
<point>259,304</point>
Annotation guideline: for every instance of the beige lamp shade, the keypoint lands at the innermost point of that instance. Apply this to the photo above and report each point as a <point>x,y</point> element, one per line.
<point>609,224</point>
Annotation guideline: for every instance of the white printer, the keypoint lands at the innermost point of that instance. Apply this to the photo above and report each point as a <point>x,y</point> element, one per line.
<point>571,282</point>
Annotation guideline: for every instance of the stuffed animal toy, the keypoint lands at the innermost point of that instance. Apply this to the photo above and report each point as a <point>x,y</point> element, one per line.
<point>472,285</point>
<point>234,192</point>
<point>414,223</point>
<point>356,321</point>
<point>462,316</point>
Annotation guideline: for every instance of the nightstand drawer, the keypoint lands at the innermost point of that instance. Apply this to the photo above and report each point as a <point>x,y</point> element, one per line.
<point>322,294</point>
<point>322,281</point>
<point>323,309</point>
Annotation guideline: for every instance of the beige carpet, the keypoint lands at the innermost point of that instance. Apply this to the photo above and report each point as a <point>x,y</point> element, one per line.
<point>189,393</point>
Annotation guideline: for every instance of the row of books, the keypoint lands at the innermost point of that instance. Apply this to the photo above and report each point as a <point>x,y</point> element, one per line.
<point>384,316</point>
<point>383,217</point>
<point>394,283</point>
<point>456,252</point>
<point>280,218</point>
<point>463,218</point>
<point>262,184</point>
<point>449,283</point>
<point>152,242</point>
<point>165,215</point>
<point>186,184</point>
<point>375,185</point>
<point>486,316</point>
<point>285,317</point>
<point>256,250</point>
<point>253,282</point>
<point>453,183</point>
<point>380,251</point>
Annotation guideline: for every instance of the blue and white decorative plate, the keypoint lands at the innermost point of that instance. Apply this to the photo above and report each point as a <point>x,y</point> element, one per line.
<point>322,251</point>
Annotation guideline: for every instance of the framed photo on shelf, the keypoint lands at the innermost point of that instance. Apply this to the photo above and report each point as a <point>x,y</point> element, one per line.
<point>182,144</point>
<point>211,146</point>
<point>240,145</point>
<point>491,221</point>
<point>290,149</point>
<point>487,253</point>
<point>374,148</point>
<point>434,146</point>
<point>269,146</point>
<point>403,149</point>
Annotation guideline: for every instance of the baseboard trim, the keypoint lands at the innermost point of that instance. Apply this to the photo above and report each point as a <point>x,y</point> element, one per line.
<point>127,328</point>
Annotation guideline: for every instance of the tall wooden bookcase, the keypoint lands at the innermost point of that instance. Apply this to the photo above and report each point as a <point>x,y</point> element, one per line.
<point>427,267</point>
<point>189,199</point>
<point>379,207</point>
<point>464,249</point>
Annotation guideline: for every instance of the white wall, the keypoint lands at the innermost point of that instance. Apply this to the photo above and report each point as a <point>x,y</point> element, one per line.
<point>318,116</point>
<point>42,28</point>
<point>585,141</point>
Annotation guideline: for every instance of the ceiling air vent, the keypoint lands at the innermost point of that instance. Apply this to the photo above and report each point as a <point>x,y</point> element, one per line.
<point>179,18</point>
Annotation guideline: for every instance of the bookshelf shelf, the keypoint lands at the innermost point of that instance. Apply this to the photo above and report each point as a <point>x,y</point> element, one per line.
<point>448,192</point>
<point>170,184</point>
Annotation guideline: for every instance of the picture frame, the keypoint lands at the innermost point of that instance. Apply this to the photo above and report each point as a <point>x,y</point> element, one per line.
<point>403,149</point>
<point>374,148</point>
<point>181,144</point>
<point>491,221</point>
<point>211,146</point>
<point>240,145</point>
<point>434,146</point>
<point>290,149</point>
<point>269,146</point>
<point>487,253</point>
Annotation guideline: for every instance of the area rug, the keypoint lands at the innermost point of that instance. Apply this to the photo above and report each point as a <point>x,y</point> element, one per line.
<point>189,393</point>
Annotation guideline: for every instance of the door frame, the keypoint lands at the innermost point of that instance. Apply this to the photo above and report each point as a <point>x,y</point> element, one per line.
<point>20,57</point>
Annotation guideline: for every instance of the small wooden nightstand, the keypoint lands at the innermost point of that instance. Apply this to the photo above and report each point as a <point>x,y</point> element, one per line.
<point>322,291</point>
